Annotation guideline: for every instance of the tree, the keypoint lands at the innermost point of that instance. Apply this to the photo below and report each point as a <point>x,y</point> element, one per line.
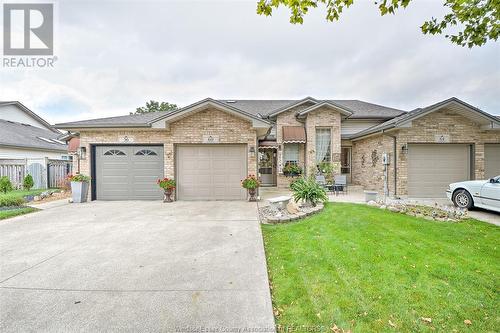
<point>154,106</point>
<point>475,21</point>
<point>28,182</point>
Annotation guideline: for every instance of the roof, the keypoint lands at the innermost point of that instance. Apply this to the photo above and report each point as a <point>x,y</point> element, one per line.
<point>23,135</point>
<point>31,114</point>
<point>416,113</point>
<point>256,108</point>
<point>294,134</point>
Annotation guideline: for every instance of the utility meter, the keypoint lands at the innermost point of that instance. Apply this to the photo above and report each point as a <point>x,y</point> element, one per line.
<point>385,159</point>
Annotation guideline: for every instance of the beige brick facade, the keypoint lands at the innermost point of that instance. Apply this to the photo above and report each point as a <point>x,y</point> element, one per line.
<point>188,130</point>
<point>322,118</point>
<point>456,127</point>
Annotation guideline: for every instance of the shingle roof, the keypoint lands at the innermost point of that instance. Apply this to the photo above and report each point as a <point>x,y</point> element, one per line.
<point>24,135</point>
<point>358,108</point>
<point>121,121</point>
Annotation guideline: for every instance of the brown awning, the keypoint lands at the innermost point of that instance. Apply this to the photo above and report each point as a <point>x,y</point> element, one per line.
<point>294,134</point>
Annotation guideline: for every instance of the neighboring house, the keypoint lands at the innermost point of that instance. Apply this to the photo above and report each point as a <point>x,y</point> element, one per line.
<point>209,146</point>
<point>26,138</point>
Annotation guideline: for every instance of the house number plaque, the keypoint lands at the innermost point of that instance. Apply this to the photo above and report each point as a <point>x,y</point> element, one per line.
<point>210,139</point>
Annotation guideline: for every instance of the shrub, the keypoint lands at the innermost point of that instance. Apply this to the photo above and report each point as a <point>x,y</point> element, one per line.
<point>250,183</point>
<point>166,183</point>
<point>8,200</point>
<point>5,184</point>
<point>28,182</point>
<point>308,190</point>
<point>78,178</point>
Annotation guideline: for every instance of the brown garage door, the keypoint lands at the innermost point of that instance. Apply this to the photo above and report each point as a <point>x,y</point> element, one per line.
<point>211,172</point>
<point>432,167</point>
<point>491,160</point>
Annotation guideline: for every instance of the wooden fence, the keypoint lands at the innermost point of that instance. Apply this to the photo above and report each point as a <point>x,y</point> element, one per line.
<point>15,170</point>
<point>46,173</point>
<point>57,171</point>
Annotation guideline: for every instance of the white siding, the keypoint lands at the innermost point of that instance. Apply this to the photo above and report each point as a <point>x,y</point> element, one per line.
<point>15,153</point>
<point>352,126</point>
<point>13,113</point>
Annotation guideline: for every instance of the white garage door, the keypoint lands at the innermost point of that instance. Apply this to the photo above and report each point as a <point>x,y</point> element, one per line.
<point>432,167</point>
<point>211,172</point>
<point>491,160</point>
<point>128,172</point>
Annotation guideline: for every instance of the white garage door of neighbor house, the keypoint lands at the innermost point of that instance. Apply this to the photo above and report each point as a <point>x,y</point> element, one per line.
<point>211,172</point>
<point>491,160</point>
<point>128,172</point>
<point>432,167</point>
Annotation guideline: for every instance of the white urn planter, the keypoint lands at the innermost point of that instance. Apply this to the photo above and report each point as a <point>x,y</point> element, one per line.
<point>79,191</point>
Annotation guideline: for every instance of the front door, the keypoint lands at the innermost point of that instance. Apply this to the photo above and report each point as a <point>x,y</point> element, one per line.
<point>267,166</point>
<point>345,162</point>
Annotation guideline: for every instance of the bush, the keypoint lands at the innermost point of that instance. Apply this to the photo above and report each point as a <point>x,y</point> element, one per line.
<point>308,190</point>
<point>8,200</point>
<point>5,184</point>
<point>292,169</point>
<point>28,182</point>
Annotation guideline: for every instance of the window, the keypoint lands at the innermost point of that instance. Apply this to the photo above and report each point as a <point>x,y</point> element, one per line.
<point>323,145</point>
<point>291,153</point>
<point>146,152</point>
<point>114,152</point>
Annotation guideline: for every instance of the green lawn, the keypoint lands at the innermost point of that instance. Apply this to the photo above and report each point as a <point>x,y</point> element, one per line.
<point>359,267</point>
<point>5,214</point>
<point>16,198</point>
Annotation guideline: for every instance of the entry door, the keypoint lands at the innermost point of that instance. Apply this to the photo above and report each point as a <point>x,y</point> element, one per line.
<point>211,172</point>
<point>128,172</point>
<point>432,167</point>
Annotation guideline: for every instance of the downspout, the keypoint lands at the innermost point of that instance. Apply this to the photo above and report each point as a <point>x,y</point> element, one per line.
<point>395,150</point>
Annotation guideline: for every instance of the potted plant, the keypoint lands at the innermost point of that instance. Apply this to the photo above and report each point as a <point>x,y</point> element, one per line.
<point>292,170</point>
<point>79,187</point>
<point>251,183</point>
<point>168,186</point>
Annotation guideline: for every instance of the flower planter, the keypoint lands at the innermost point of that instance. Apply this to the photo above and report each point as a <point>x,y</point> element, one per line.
<point>252,194</point>
<point>79,191</point>
<point>168,195</point>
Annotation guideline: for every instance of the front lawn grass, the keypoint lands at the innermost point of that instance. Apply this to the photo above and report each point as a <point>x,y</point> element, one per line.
<point>5,214</point>
<point>16,197</point>
<point>369,270</point>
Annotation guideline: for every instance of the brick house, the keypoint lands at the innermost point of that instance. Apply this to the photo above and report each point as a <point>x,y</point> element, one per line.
<point>209,146</point>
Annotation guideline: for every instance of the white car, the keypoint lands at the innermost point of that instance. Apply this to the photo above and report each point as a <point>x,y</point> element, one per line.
<point>476,193</point>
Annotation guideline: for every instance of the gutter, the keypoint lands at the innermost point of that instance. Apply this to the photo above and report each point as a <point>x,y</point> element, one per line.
<point>76,127</point>
<point>65,149</point>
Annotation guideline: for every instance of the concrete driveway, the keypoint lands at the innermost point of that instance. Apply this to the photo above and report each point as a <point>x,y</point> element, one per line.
<point>135,266</point>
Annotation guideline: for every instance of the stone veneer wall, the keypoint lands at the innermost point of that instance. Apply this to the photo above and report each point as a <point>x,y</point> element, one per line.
<point>190,129</point>
<point>424,130</point>
<point>367,169</point>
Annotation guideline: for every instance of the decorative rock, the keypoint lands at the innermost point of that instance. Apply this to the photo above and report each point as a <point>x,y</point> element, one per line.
<point>273,220</point>
<point>383,207</point>
<point>372,203</point>
<point>284,219</point>
<point>301,215</point>
<point>292,208</point>
<point>37,198</point>
<point>393,209</point>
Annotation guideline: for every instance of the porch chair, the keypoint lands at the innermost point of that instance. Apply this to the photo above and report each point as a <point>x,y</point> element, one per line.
<point>340,184</point>
<point>321,180</point>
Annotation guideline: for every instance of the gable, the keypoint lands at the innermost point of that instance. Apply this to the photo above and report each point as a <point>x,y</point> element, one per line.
<point>13,112</point>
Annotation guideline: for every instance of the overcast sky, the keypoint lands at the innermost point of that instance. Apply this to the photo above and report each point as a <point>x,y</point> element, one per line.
<point>114,56</point>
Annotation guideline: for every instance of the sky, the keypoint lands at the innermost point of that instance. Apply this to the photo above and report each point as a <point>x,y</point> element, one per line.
<point>113,56</point>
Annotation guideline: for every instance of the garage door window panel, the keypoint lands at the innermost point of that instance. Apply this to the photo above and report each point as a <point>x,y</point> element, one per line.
<point>114,152</point>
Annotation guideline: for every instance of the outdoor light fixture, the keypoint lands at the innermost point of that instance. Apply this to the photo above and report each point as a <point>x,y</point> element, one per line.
<point>82,152</point>
<point>404,148</point>
<point>251,149</point>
